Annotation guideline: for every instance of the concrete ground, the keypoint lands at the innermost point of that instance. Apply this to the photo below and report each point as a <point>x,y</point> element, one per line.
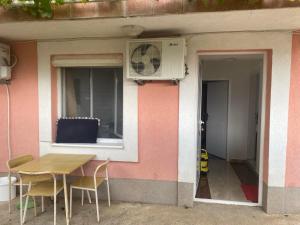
<point>144,214</point>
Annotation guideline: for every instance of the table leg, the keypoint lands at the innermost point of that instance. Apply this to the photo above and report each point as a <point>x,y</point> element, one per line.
<point>66,200</point>
<point>43,206</point>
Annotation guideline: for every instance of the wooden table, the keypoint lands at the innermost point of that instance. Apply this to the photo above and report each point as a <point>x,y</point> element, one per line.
<point>59,164</point>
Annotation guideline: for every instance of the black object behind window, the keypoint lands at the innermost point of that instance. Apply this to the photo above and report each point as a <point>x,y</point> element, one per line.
<point>77,130</point>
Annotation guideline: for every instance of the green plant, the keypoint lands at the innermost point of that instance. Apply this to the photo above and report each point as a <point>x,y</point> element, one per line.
<point>36,8</point>
<point>206,2</point>
<point>44,8</point>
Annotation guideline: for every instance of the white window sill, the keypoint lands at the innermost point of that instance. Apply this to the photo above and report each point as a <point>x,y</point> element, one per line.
<point>96,145</point>
<point>114,151</point>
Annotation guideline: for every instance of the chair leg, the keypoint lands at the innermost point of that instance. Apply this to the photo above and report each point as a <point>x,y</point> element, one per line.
<point>87,192</point>
<point>21,204</point>
<point>108,192</point>
<point>43,206</point>
<point>26,204</point>
<point>25,210</point>
<point>97,205</point>
<point>89,196</point>
<point>9,201</point>
<point>34,204</point>
<point>54,208</point>
<point>71,196</point>
<point>82,197</point>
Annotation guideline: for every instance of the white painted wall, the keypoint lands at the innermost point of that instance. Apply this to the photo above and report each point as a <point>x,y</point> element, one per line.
<point>238,73</point>
<point>280,44</point>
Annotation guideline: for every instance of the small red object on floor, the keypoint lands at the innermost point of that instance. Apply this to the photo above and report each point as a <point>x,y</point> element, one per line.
<point>250,191</point>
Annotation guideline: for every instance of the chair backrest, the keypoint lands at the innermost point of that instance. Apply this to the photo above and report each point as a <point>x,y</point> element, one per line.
<point>102,168</point>
<point>34,174</point>
<point>18,161</point>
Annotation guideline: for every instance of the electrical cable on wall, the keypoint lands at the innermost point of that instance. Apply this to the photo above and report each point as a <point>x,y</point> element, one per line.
<point>8,110</point>
<point>8,122</point>
<point>15,61</point>
<point>7,62</point>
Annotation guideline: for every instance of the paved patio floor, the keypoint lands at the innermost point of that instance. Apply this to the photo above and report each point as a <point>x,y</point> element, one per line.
<point>144,214</point>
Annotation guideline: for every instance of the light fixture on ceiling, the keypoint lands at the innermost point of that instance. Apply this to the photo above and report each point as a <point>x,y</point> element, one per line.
<point>132,30</point>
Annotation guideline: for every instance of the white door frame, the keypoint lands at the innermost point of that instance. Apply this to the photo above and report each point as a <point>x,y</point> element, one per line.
<point>262,124</point>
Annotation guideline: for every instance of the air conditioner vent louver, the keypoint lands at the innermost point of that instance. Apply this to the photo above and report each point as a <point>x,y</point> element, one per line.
<point>146,59</point>
<point>155,59</point>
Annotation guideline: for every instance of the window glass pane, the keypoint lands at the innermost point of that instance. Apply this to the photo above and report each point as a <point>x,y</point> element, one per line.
<point>77,92</point>
<point>108,101</point>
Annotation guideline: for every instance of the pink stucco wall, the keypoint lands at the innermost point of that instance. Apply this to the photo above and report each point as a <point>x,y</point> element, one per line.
<point>158,135</point>
<point>158,121</point>
<point>24,107</point>
<point>292,178</point>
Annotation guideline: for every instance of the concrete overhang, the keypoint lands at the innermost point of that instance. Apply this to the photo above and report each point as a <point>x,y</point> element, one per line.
<point>172,24</point>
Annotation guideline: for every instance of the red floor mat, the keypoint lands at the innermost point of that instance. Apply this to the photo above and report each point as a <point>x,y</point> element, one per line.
<point>250,191</point>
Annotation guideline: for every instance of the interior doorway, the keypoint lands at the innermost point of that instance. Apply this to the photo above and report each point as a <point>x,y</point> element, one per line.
<point>231,88</point>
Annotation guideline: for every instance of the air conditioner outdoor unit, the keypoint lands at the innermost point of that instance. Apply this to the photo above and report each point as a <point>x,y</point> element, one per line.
<point>5,68</point>
<point>156,59</point>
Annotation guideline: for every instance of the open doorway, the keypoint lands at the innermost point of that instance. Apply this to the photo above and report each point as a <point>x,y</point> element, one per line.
<point>230,109</point>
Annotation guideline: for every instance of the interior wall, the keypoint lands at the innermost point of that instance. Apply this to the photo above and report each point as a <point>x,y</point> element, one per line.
<point>239,74</point>
<point>216,124</point>
<point>255,119</point>
<point>253,115</point>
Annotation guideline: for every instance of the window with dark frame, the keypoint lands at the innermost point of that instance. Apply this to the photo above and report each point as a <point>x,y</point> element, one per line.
<point>95,92</point>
